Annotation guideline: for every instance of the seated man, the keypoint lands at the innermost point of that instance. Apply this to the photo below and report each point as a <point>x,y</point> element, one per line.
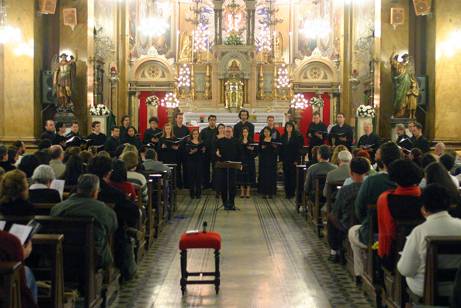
<point>57,160</point>
<point>436,201</point>
<point>368,194</point>
<point>85,204</point>
<point>407,175</point>
<point>341,216</point>
<point>448,161</point>
<point>40,191</point>
<point>322,167</point>
<point>341,173</point>
<point>151,163</point>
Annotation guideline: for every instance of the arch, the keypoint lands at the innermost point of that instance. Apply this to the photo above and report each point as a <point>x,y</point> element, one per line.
<point>153,69</point>
<point>315,70</point>
<point>240,58</point>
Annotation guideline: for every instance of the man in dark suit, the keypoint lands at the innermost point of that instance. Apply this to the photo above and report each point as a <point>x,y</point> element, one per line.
<point>244,115</point>
<point>50,131</point>
<point>208,135</point>
<point>419,141</point>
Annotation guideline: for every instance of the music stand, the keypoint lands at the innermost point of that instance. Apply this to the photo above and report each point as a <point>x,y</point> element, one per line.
<point>228,165</point>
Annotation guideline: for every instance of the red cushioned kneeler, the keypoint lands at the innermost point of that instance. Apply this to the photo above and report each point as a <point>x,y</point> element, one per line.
<point>201,240</point>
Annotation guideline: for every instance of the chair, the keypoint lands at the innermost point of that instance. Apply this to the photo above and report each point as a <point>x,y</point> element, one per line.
<point>200,240</point>
<point>10,288</point>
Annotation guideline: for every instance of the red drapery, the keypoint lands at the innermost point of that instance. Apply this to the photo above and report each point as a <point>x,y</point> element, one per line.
<point>162,112</point>
<point>306,115</point>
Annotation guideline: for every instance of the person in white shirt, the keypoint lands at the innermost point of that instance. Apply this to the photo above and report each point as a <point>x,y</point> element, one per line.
<point>412,264</point>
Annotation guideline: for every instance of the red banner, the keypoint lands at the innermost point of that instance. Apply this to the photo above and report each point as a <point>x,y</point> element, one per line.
<point>162,112</point>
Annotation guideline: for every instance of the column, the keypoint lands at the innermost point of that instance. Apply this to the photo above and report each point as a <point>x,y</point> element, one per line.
<point>218,22</point>
<point>250,8</point>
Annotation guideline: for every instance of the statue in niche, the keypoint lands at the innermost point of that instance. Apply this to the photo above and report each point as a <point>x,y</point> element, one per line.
<point>64,73</point>
<point>406,88</point>
<point>185,50</point>
<point>278,46</point>
<point>234,87</point>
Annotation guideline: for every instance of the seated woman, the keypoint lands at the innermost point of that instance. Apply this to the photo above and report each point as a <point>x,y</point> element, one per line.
<point>118,179</point>
<point>40,191</point>
<point>131,162</point>
<point>28,164</point>
<point>74,168</point>
<point>12,250</point>
<point>14,192</point>
<point>407,175</point>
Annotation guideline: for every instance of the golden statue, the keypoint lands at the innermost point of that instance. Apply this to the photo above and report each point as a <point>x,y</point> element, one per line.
<point>64,73</point>
<point>234,87</point>
<point>406,88</point>
<point>278,46</point>
<point>185,50</point>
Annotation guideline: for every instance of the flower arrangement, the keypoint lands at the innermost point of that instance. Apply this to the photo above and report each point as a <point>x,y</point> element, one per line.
<point>152,101</point>
<point>316,102</point>
<point>100,110</point>
<point>365,111</point>
<point>299,102</point>
<point>233,39</point>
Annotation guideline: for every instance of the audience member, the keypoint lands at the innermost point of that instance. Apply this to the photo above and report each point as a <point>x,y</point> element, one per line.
<point>14,191</point>
<point>131,162</point>
<point>436,201</point>
<point>44,144</point>
<point>43,156</point>
<point>416,155</point>
<point>368,194</point>
<point>103,154</point>
<point>28,165</point>
<point>427,159</point>
<point>4,163</point>
<point>152,164</point>
<point>118,179</point>
<point>13,155</point>
<point>313,160</point>
<point>439,149</point>
<point>437,173</point>
<point>40,191</point>
<point>334,157</point>
<point>85,204</point>
<point>407,175</point>
<point>20,145</point>
<point>448,161</point>
<point>341,173</point>
<point>74,169</point>
<point>86,156</point>
<point>322,167</point>
<point>56,162</point>
<point>341,217</point>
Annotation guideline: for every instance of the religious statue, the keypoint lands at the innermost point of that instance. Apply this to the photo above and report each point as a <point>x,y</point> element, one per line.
<point>185,50</point>
<point>278,46</point>
<point>63,82</point>
<point>406,88</point>
<point>234,87</point>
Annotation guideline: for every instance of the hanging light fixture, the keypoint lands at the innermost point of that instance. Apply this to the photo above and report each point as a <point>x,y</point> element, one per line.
<point>8,34</point>
<point>299,102</point>
<point>170,101</point>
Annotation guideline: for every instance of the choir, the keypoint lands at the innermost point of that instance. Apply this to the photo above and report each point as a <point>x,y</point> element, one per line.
<point>197,152</point>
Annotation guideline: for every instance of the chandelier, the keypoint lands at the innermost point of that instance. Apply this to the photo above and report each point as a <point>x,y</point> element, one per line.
<point>283,80</point>
<point>299,102</point>
<point>170,101</point>
<point>184,76</point>
<point>8,34</point>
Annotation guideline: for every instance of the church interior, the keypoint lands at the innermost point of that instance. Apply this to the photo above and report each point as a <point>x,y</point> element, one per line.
<point>293,153</point>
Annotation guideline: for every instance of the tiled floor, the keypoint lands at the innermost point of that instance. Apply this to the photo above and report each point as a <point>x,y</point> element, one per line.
<point>269,258</point>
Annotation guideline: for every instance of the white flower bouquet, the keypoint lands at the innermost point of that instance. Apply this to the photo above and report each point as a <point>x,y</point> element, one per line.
<point>316,102</point>
<point>99,110</point>
<point>365,111</point>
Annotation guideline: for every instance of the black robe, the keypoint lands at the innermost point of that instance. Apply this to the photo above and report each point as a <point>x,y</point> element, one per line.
<point>74,140</point>
<point>343,131</point>
<point>229,150</point>
<point>370,141</point>
<point>48,135</point>
<point>194,162</point>
<point>152,136</point>
<point>268,152</point>
<point>59,139</point>
<point>421,143</point>
<point>134,140</point>
<point>290,154</point>
<point>238,128</point>
<point>111,145</point>
<point>166,153</point>
<point>97,140</point>
<point>248,174</point>
<point>314,128</point>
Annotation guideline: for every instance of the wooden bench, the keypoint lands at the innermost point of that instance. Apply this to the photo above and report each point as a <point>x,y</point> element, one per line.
<point>406,212</point>
<point>332,189</point>
<point>319,200</point>
<point>437,271</point>
<point>10,292</point>
<point>172,187</point>
<point>141,235</point>
<point>300,177</point>
<point>372,278</point>
<point>80,269</point>
<point>155,220</point>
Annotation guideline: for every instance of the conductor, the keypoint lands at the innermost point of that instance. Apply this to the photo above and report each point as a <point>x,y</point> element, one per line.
<point>228,149</point>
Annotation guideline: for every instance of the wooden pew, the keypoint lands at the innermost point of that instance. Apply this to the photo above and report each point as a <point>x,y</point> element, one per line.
<point>437,271</point>
<point>79,255</point>
<point>372,278</point>
<point>316,214</point>
<point>155,218</point>
<point>141,236</point>
<point>332,189</point>
<point>172,188</point>
<point>300,177</point>
<point>406,212</point>
<point>10,289</point>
